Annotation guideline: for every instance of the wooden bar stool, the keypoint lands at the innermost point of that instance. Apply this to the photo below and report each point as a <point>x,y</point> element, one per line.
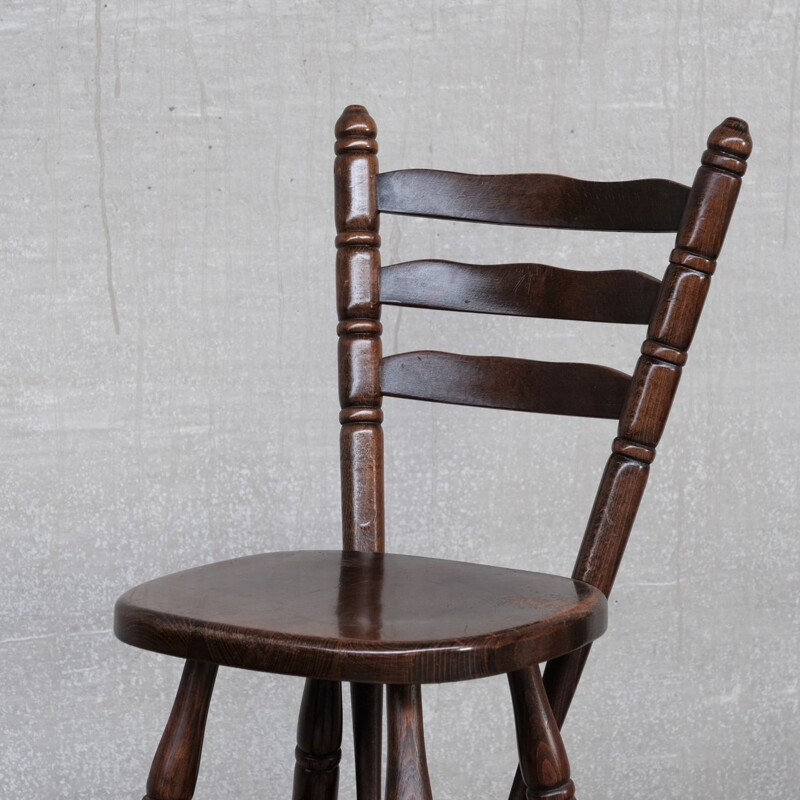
<point>378,619</point>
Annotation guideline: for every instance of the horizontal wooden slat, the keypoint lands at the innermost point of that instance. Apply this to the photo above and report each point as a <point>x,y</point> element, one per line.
<point>528,290</point>
<point>581,390</point>
<point>548,201</point>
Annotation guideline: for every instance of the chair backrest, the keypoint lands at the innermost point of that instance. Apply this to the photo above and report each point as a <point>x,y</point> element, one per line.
<point>670,308</point>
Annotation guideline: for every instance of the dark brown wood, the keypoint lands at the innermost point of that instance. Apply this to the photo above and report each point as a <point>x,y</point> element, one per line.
<point>560,676</point>
<point>319,740</point>
<point>697,244</point>
<point>544,767</point>
<point>299,613</point>
<point>357,269</point>
<point>406,764</point>
<point>610,523</point>
<point>360,614</point>
<point>370,618</point>
<point>516,384</point>
<point>173,774</point>
<point>560,679</point>
<point>525,290</point>
<point>367,706</point>
<point>545,201</point>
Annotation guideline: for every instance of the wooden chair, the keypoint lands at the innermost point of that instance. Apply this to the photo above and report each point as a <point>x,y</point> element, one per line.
<point>376,619</point>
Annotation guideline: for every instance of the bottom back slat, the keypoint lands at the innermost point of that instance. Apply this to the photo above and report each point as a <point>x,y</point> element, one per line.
<point>583,390</point>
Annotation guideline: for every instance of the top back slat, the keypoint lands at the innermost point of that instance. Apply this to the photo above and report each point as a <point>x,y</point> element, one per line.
<point>544,201</point>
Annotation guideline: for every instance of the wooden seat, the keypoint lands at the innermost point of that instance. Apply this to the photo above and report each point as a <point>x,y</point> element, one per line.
<point>378,619</point>
<point>303,613</point>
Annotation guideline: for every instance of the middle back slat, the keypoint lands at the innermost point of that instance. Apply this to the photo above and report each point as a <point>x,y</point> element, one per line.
<point>529,290</point>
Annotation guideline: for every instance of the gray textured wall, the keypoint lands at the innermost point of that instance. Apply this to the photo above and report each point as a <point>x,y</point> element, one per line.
<point>166,171</point>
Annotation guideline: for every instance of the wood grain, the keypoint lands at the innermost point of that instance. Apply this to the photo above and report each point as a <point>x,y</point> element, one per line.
<point>173,773</point>
<point>697,245</point>
<point>516,384</point>
<point>367,707</point>
<point>299,613</point>
<point>545,201</point>
<point>406,763</point>
<point>525,290</point>
<point>357,268</point>
<point>372,618</point>
<point>319,739</point>
<point>544,766</point>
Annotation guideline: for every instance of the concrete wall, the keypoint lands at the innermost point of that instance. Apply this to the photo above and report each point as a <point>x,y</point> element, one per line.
<point>169,390</point>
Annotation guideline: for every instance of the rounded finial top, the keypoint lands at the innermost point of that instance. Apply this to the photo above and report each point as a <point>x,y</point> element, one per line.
<point>732,137</point>
<point>356,122</point>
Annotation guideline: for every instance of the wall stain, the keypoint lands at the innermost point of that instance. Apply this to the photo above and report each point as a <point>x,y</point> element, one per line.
<point>787,222</point>
<point>98,127</point>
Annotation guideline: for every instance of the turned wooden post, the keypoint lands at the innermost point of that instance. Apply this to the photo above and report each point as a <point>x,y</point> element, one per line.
<point>367,708</point>
<point>359,611</point>
<point>319,739</point>
<point>357,295</point>
<point>173,774</point>
<point>664,352</point>
<point>406,764</point>
<point>361,439</point>
<point>544,767</point>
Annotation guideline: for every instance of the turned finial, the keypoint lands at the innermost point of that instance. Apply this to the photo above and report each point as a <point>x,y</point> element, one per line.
<point>729,145</point>
<point>356,130</point>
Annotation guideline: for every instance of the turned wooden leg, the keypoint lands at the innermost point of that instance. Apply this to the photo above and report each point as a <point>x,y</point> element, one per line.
<point>543,760</point>
<point>173,774</point>
<point>366,700</point>
<point>319,739</point>
<point>561,676</point>
<point>517,787</point>
<point>406,766</point>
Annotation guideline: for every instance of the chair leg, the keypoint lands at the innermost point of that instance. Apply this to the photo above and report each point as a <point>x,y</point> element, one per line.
<point>560,678</point>
<point>319,739</point>
<point>173,774</point>
<point>406,766</point>
<point>517,787</point>
<point>543,762</point>
<point>366,700</point>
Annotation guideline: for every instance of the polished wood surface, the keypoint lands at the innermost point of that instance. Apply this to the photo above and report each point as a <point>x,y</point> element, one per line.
<point>358,307</point>
<point>319,739</point>
<point>406,763</point>
<point>516,384</point>
<point>173,774</point>
<point>371,618</point>
<point>545,201</point>
<point>544,766</point>
<point>367,709</point>
<point>358,262</point>
<point>302,613</point>
<point>664,352</point>
<point>524,290</point>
